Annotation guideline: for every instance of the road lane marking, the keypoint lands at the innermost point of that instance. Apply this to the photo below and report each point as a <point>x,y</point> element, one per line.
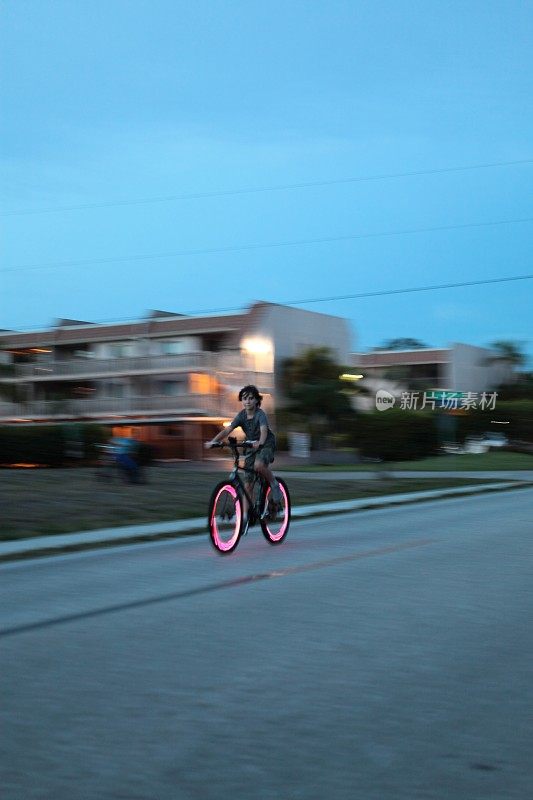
<point>213,587</point>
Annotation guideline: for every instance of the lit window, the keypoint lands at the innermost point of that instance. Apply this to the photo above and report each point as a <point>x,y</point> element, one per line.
<point>202,384</point>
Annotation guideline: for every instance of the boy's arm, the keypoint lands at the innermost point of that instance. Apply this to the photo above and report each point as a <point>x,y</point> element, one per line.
<point>262,437</point>
<point>223,434</point>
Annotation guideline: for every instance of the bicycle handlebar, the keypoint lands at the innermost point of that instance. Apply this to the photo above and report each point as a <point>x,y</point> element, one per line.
<point>234,443</point>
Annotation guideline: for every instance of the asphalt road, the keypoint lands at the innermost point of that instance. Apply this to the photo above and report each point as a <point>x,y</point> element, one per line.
<point>379,655</point>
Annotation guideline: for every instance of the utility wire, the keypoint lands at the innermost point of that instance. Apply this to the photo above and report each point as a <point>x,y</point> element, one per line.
<point>359,295</point>
<point>380,293</point>
<point>248,247</point>
<point>261,189</point>
<point>408,290</point>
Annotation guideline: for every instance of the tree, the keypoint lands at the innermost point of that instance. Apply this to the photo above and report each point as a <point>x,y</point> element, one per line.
<point>402,344</point>
<point>314,391</point>
<point>520,385</point>
<point>508,351</point>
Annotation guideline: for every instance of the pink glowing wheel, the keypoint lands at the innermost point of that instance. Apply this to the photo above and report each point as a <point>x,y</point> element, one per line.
<point>225,517</point>
<point>275,524</point>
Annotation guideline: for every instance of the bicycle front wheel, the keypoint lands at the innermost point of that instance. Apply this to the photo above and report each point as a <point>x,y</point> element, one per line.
<point>275,523</point>
<point>225,517</point>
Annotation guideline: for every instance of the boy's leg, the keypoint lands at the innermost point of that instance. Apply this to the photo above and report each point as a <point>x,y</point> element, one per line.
<point>248,485</point>
<point>245,505</point>
<point>265,471</point>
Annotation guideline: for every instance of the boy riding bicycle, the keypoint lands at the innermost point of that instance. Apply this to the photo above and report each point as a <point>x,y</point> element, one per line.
<point>253,421</point>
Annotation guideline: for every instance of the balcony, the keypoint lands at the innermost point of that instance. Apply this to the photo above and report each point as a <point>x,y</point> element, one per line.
<point>10,410</point>
<point>95,368</point>
<point>228,363</point>
<point>100,408</point>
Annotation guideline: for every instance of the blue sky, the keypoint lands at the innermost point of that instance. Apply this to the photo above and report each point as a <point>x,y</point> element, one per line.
<point>106,103</point>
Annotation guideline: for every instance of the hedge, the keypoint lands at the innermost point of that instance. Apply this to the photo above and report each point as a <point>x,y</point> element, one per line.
<point>516,416</point>
<point>396,435</point>
<point>49,445</point>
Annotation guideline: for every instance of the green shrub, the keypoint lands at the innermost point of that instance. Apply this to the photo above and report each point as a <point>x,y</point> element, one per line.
<point>395,435</point>
<point>144,454</point>
<point>517,413</point>
<point>32,445</point>
<point>48,444</point>
<point>94,435</point>
<point>282,441</point>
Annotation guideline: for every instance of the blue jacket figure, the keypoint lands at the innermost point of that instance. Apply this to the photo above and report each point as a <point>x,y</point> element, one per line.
<point>125,454</point>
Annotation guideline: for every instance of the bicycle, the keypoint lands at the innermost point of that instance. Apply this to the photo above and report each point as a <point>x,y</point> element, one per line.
<point>226,520</point>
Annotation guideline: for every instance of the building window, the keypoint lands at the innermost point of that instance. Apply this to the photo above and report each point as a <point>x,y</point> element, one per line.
<point>173,348</point>
<point>120,350</point>
<point>202,384</point>
<point>116,390</point>
<point>171,388</point>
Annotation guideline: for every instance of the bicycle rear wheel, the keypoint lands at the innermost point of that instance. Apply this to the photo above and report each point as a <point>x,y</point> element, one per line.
<point>225,517</point>
<point>275,525</point>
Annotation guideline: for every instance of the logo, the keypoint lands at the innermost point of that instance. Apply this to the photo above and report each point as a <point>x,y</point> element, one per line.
<point>384,400</point>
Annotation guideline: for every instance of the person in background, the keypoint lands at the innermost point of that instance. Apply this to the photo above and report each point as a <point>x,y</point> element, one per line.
<point>125,450</point>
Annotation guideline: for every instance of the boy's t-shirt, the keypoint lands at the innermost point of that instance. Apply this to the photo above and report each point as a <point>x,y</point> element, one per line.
<point>252,427</point>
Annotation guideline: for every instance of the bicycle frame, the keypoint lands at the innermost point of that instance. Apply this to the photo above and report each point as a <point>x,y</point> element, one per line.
<point>254,507</point>
<point>233,509</point>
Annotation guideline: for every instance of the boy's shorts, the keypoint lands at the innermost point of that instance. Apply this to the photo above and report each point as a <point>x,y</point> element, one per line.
<point>265,455</point>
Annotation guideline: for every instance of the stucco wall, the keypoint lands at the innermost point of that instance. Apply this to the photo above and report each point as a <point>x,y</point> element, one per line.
<point>293,330</point>
<point>471,370</point>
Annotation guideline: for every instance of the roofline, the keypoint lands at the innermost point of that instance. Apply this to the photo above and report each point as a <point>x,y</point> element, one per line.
<point>146,329</point>
<point>410,350</point>
<point>119,323</point>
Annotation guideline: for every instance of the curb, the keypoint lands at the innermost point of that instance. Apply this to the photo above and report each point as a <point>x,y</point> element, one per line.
<point>63,543</point>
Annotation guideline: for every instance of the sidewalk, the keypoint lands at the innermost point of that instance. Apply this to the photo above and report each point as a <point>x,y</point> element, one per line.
<point>287,466</point>
<point>61,543</point>
<point>502,475</point>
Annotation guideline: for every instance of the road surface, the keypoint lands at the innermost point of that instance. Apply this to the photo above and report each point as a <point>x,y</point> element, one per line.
<point>383,655</point>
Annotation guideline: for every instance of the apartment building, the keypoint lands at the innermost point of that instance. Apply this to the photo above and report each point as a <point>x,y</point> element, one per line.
<point>459,368</point>
<point>169,378</point>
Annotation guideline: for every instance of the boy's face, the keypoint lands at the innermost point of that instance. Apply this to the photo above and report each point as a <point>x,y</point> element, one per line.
<point>249,402</point>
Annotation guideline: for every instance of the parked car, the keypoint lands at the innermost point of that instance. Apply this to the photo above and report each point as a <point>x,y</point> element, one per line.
<point>495,439</point>
<point>475,445</point>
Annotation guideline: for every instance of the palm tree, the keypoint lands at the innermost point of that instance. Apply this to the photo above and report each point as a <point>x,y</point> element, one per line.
<point>508,351</point>
<point>519,386</point>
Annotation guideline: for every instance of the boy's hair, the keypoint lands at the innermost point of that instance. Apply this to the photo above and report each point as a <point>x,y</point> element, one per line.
<point>253,390</point>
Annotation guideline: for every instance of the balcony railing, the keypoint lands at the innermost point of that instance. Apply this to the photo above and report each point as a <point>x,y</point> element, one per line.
<point>202,404</point>
<point>9,410</point>
<point>134,365</point>
<point>93,368</point>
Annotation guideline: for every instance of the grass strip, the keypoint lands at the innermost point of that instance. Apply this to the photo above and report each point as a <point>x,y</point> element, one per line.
<point>492,461</point>
<point>45,502</point>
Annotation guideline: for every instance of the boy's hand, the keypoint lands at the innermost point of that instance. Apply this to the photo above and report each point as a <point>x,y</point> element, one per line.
<point>256,446</point>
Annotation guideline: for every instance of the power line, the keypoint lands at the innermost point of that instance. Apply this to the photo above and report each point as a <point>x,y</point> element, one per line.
<point>357,296</point>
<point>409,290</point>
<point>380,293</point>
<point>248,247</point>
<point>261,189</point>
